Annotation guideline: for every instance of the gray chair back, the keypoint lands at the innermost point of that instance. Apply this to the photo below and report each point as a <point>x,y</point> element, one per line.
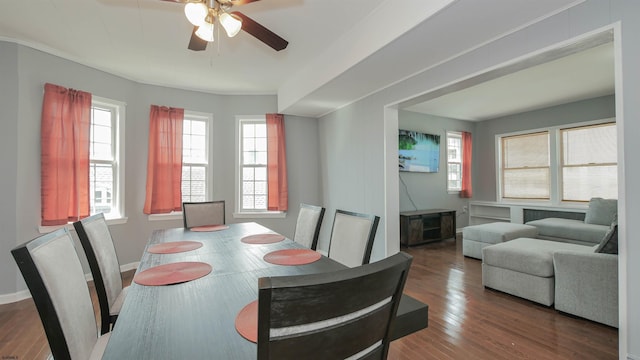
<point>53,273</point>
<point>95,237</point>
<point>203,213</point>
<point>308,225</point>
<point>352,237</point>
<point>336,315</point>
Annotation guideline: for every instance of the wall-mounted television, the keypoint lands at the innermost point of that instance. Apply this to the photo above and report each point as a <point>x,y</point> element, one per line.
<point>418,152</point>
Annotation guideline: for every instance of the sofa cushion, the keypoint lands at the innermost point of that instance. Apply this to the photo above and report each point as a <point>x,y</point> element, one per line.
<point>609,243</point>
<point>601,211</point>
<point>529,256</point>
<point>559,228</point>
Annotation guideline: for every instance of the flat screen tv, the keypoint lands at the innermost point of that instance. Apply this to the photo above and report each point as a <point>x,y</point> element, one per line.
<point>418,152</point>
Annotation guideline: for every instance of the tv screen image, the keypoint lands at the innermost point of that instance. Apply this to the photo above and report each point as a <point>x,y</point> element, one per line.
<point>418,152</point>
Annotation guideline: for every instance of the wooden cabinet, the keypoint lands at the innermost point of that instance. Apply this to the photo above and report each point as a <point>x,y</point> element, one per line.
<point>424,226</point>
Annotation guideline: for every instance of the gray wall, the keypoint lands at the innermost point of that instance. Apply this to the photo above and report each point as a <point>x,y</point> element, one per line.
<point>429,190</point>
<point>359,150</point>
<point>485,180</point>
<point>24,71</point>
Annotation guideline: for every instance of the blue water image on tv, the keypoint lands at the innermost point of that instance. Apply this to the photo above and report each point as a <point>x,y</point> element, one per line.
<point>418,152</point>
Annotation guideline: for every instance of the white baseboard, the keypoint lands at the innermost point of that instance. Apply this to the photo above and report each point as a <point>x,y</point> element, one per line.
<point>25,294</point>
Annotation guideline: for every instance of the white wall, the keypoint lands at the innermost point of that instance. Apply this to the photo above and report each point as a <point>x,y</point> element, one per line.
<point>24,72</point>
<point>362,129</point>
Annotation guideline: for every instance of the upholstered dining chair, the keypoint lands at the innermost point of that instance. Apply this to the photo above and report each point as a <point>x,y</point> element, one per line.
<point>308,225</point>
<point>53,273</point>
<point>95,237</point>
<point>352,237</point>
<point>336,315</point>
<point>203,213</point>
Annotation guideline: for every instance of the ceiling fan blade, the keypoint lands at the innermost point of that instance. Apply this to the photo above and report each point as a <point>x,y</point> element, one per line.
<point>195,43</point>
<point>261,33</point>
<point>238,2</point>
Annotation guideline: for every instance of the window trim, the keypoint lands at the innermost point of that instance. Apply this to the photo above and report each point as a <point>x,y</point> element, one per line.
<point>238,213</point>
<point>457,135</point>
<point>555,179</point>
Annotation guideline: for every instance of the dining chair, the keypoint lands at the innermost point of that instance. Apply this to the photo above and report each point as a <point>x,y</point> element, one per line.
<point>53,273</point>
<point>95,237</point>
<point>308,225</point>
<point>352,237</point>
<point>343,314</point>
<point>203,213</point>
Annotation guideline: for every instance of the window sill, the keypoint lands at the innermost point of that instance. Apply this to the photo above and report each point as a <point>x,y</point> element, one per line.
<point>69,226</point>
<point>174,215</point>
<point>260,215</point>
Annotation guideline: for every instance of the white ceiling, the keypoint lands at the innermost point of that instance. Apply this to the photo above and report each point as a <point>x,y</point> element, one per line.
<point>339,50</point>
<point>582,75</point>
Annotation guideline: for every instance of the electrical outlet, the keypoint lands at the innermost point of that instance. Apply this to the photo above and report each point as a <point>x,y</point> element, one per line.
<point>465,209</point>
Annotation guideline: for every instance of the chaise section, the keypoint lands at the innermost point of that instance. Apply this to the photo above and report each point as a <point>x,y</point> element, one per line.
<point>587,285</point>
<point>524,267</point>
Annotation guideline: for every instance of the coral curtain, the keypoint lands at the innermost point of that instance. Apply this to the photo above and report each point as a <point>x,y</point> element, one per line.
<point>164,164</point>
<point>276,164</point>
<point>467,146</point>
<point>64,136</point>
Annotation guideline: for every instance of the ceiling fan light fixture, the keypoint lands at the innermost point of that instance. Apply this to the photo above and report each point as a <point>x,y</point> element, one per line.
<point>231,23</point>
<point>196,13</point>
<point>205,32</point>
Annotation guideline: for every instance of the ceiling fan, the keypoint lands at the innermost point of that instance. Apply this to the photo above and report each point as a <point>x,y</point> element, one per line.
<point>204,14</point>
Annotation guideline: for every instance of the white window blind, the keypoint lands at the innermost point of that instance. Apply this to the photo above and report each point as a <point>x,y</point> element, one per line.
<point>194,158</point>
<point>525,166</point>
<point>589,162</point>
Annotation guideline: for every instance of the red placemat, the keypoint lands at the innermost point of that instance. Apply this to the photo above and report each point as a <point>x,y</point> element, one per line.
<point>292,257</point>
<point>262,239</point>
<point>247,321</point>
<point>209,228</point>
<point>174,247</point>
<point>172,273</point>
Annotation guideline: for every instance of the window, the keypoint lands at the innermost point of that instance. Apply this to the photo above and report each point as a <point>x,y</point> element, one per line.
<point>525,166</point>
<point>194,157</point>
<point>253,164</point>
<point>589,162</point>
<point>454,161</point>
<point>560,164</point>
<point>106,170</point>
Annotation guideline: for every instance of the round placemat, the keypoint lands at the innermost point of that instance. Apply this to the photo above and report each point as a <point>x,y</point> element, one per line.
<point>292,257</point>
<point>174,247</point>
<point>247,321</point>
<point>262,239</point>
<point>209,228</point>
<point>172,273</point>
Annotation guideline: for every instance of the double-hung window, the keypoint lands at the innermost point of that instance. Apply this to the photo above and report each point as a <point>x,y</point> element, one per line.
<point>195,161</point>
<point>253,164</point>
<point>454,161</point>
<point>106,166</point>
<point>526,166</point>
<point>589,162</point>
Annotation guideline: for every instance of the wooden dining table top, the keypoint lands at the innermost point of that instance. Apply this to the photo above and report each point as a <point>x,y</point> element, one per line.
<point>196,319</point>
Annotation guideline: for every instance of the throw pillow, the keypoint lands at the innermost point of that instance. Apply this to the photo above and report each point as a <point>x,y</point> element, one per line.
<point>601,211</point>
<point>609,243</point>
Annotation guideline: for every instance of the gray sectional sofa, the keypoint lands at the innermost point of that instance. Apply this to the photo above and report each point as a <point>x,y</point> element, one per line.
<point>571,264</point>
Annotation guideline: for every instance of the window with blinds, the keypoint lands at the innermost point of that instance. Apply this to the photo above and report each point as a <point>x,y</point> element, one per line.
<point>525,166</point>
<point>589,162</point>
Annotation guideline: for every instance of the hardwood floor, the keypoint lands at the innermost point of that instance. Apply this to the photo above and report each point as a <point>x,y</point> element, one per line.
<point>466,321</point>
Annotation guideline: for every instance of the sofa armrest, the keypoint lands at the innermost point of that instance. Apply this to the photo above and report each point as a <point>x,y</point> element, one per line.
<point>586,285</point>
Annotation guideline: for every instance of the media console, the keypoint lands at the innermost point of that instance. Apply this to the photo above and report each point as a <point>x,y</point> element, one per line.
<point>425,226</point>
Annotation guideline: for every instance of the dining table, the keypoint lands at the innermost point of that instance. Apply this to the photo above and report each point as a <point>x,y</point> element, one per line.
<point>191,314</point>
